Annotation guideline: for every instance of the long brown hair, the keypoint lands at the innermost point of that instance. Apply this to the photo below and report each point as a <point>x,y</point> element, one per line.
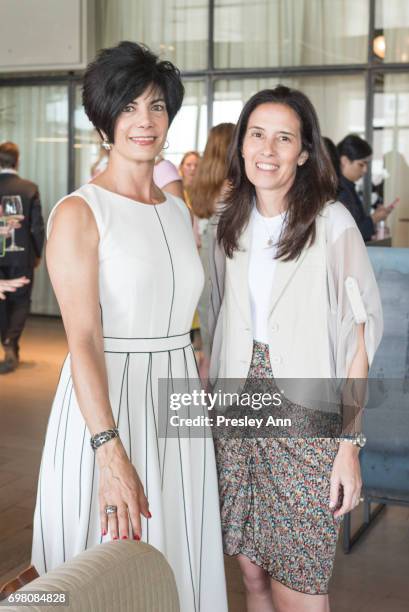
<point>212,171</point>
<point>315,182</point>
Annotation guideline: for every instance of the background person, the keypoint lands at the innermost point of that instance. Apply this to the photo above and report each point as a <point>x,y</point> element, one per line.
<point>15,309</point>
<point>187,170</point>
<point>10,286</point>
<point>354,154</point>
<point>166,177</point>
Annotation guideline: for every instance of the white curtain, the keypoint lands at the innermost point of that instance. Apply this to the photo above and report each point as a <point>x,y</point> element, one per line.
<point>175,29</point>
<point>36,119</point>
<point>392,148</point>
<point>188,131</point>
<point>290,32</point>
<point>338,100</point>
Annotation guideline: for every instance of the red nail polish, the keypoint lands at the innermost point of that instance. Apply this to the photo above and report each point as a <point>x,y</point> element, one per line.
<point>149,515</point>
<point>115,538</point>
<point>104,532</point>
<point>137,537</point>
<point>124,537</point>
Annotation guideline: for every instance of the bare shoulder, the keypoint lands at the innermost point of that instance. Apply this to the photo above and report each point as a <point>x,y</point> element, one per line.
<point>72,215</point>
<point>73,208</point>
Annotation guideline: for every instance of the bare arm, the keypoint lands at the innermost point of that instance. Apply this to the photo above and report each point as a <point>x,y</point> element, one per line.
<point>72,259</point>
<point>346,471</point>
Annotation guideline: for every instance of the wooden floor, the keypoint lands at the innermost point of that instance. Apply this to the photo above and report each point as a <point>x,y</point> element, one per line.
<point>373,578</point>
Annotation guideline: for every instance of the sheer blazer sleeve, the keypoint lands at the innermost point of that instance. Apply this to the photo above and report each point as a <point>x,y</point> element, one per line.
<point>348,258</point>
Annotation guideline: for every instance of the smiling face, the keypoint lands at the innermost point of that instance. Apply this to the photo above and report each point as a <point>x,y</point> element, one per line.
<point>141,128</point>
<point>189,167</point>
<point>272,147</point>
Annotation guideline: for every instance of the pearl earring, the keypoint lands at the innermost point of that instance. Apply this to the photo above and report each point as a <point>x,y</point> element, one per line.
<point>106,145</point>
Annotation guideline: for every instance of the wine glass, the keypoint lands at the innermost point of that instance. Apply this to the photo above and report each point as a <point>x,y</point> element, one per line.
<point>12,209</point>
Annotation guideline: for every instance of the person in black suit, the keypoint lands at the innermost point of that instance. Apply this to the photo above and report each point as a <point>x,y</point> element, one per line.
<point>354,154</point>
<point>14,310</point>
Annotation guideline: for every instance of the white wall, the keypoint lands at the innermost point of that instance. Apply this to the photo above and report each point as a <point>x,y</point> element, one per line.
<point>45,34</point>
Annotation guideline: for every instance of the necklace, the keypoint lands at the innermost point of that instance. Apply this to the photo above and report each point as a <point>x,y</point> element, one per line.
<point>270,239</point>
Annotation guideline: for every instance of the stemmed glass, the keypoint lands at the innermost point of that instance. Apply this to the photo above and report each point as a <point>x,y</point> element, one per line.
<point>12,209</point>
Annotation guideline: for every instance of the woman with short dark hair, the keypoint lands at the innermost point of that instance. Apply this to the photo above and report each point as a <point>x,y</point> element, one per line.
<point>283,253</point>
<point>127,276</point>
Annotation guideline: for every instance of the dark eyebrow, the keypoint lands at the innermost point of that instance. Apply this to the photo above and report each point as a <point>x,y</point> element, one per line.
<point>256,127</point>
<point>151,101</point>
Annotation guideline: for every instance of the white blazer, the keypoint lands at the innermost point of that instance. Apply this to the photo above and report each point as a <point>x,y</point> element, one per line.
<point>312,331</point>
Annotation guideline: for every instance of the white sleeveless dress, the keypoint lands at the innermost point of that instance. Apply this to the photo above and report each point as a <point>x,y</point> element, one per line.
<point>150,279</point>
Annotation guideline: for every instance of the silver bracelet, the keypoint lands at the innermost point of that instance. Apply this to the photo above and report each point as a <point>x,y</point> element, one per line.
<point>104,436</point>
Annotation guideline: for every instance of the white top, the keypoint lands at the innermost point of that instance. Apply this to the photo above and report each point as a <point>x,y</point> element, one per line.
<point>262,265</point>
<point>150,274</point>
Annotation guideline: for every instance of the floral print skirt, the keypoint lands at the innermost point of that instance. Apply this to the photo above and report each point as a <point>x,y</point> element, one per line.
<point>274,496</point>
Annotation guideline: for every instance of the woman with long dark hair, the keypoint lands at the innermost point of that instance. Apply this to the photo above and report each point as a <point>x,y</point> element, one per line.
<point>284,255</point>
<point>127,276</point>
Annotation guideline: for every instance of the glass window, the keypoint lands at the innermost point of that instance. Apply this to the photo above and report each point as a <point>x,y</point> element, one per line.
<point>290,32</point>
<point>390,166</point>
<point>90,157</point>
<point>338,100</point>
<point>36,119</point>
<point>188,131</point>
<point>391,42</point>
<point>175,29</point>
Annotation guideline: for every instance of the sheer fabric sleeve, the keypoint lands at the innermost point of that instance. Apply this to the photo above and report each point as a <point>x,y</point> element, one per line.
<point>348,259</point>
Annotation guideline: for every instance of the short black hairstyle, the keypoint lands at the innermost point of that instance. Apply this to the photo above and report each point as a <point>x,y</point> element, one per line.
<point>354,147</point>
<point>120,74</point>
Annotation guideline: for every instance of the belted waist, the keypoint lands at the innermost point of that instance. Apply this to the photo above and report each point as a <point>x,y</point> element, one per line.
<point>146,345</point>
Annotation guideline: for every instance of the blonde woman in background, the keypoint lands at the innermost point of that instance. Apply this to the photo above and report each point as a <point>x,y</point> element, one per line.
<point>206,192</point>
<point>187,170</point>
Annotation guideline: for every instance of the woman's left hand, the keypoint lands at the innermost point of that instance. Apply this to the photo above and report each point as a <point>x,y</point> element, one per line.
<point>346,473</point>
<point>11,285</point>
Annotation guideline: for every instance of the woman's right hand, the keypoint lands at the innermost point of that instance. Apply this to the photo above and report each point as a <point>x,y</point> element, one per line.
<point>120,485</point>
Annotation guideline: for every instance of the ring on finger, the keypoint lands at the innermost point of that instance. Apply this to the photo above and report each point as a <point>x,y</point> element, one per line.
<point>111,509</point>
